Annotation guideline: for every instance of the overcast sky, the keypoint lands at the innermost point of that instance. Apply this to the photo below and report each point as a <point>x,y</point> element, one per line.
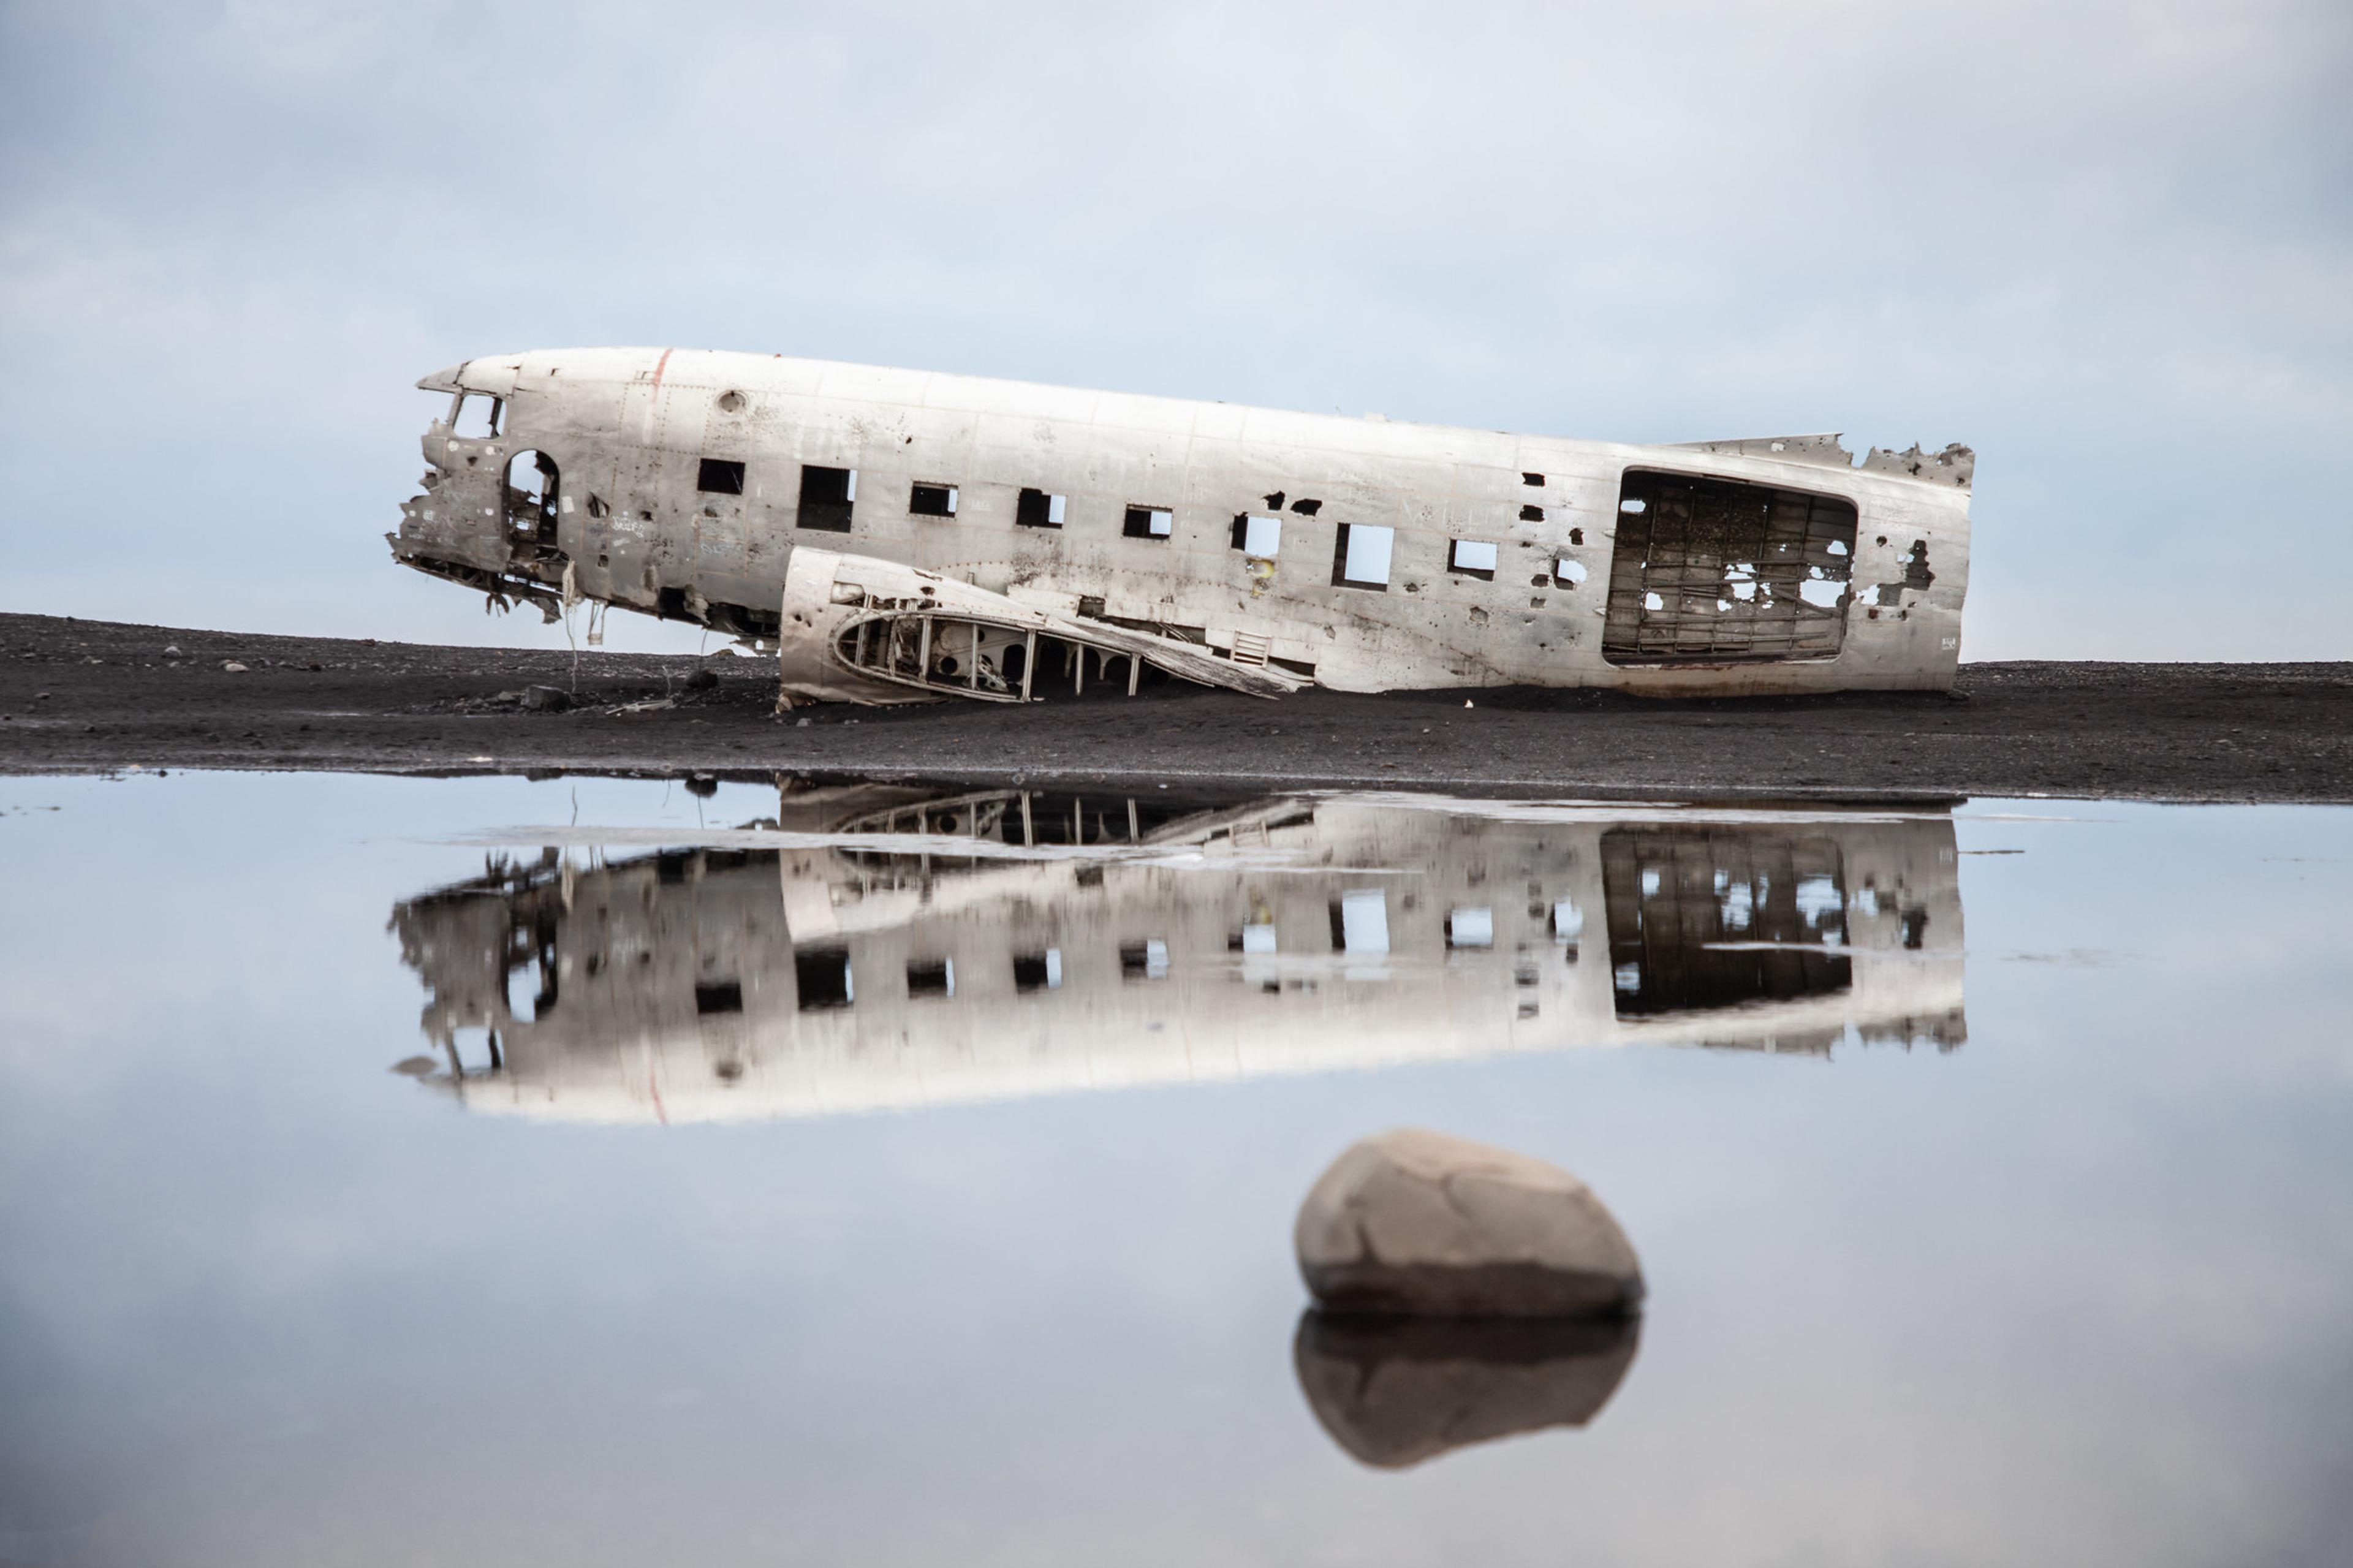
<point>2110,246</point>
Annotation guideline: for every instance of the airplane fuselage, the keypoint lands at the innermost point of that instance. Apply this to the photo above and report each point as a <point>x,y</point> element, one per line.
<point>1362,554</point>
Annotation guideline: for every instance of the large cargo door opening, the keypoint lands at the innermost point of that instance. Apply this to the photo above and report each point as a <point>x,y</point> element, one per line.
<point>1702,918</point>
<point>1717,572</point>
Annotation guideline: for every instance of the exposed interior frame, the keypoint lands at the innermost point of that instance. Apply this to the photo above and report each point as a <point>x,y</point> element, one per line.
<point>1710,571</point>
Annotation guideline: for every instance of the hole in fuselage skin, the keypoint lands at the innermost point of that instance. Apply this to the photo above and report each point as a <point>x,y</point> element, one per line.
<point>1361,555</point>
<point>1725,571</point>
<point>823,977</point>
<point>827,497</point>
<point>1038,509</point>
<point>476,416</point>
<point>531,497</point>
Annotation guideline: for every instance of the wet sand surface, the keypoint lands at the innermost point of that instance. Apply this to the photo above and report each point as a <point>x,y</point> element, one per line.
<point>80,696</point>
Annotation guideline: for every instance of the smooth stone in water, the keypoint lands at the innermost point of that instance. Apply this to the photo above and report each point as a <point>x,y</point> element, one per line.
<point>1419,1223</point>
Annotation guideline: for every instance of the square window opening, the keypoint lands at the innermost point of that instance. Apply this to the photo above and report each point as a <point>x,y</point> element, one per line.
<point>933,977</point>
<point>1146,960</point>
<point>719,996</point>
<point>1532,479</point>
<point>822,975</point>
<point>1472,558</point>
<point>475,417</point>
<point>1037,508</point>
<point>1258,535</point>
<point>1360,922</point>
<point>1256,937</point>
<point>932,500</point>
<point>720,477</point>
<point>1360,557</point>
<point>828,496</point>
<point>1149,522</point>
<point>1037,971</point>
<point>1470,928</point>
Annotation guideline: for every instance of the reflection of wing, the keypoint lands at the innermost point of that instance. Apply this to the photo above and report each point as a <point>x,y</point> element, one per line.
<point>1089,942</point>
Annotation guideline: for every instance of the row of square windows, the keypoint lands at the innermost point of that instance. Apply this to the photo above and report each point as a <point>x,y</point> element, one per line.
<point>1361,554</point>
<point>1359,928</point>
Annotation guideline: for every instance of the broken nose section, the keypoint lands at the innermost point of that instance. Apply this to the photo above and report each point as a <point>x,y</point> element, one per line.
<point>494,374</point>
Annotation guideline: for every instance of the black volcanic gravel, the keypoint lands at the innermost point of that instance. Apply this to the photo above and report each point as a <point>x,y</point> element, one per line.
<point>89,696</point>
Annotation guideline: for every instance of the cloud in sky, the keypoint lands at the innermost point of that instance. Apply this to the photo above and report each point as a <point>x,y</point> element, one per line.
<point>2109,245</point>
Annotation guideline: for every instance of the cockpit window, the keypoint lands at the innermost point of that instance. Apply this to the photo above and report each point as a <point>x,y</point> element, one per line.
<point>476,416</point>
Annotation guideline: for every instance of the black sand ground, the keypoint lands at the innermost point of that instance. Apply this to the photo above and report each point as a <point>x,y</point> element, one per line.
<point>87,696</point>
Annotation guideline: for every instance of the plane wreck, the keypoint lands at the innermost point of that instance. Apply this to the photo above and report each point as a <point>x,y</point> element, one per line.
<point>881,946</point>
<point>899,536</point>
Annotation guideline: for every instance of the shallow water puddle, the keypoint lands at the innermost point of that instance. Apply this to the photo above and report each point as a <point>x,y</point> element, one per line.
<point>882,1173</point>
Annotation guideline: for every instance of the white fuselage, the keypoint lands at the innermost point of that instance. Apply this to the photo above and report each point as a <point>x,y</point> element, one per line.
<point>866,964</point>
<point>1360,554</point>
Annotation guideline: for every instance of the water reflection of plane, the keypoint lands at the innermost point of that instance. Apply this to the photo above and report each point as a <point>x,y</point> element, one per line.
<point>899,949</point>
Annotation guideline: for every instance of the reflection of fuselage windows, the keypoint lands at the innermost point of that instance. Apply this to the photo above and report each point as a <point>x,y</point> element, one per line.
<point>1360,922</point>
<point>1258,936</point>
<point>1467,927</point>
<point>1716,917</point>
<point>823,973</point>
<point>1037,971</point>
<point>1146,960</point>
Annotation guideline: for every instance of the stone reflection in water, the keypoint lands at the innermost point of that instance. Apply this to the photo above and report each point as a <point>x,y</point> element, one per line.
<point>1395,1391</point>
<point>874,946</point>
